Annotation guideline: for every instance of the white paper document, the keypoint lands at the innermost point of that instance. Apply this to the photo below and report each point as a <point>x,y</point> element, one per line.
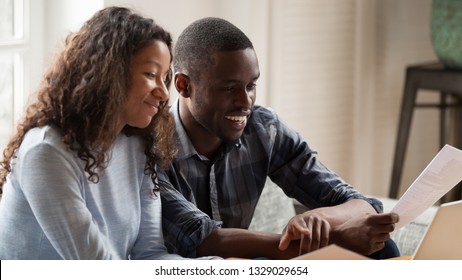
<point>438,178</point>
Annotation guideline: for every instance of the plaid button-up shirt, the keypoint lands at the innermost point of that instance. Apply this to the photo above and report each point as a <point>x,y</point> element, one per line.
<point>227,189</point>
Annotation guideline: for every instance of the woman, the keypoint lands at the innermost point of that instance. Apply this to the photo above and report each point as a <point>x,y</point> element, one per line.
<point>78,177</point>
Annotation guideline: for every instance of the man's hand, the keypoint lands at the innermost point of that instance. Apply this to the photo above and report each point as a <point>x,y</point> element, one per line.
<point>310,228</point>
<point>365,234</point>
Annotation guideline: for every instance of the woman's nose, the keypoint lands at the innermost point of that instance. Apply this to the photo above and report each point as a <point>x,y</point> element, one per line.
<point>161,91</point>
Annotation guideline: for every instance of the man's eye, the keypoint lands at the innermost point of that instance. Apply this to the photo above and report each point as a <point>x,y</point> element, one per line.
<point>251,86</point>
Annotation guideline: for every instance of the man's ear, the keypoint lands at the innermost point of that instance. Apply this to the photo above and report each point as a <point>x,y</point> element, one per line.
<point>182,84</point>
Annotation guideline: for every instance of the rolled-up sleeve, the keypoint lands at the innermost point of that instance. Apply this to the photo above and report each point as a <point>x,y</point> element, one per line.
<point>185,227</point>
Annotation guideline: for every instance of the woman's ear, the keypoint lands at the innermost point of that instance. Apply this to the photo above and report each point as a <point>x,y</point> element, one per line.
<point>182,84</point>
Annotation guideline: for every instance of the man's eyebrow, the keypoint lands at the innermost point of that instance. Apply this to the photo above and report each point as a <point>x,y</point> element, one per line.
<point>238,81</point>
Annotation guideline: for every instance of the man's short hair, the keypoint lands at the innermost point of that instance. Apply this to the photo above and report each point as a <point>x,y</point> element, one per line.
<point>201,39</point>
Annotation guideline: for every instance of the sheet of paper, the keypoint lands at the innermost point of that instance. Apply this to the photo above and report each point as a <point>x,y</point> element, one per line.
<point>332,252</point>
<point>439,177</point>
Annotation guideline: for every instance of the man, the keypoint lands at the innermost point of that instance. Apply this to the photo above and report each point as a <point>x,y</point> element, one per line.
<point>229,146</point>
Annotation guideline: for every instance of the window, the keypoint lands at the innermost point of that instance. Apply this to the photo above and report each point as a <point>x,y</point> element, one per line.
<point>13,48</point>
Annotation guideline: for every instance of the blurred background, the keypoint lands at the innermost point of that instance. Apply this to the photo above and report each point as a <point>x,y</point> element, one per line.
<point>333,69</point>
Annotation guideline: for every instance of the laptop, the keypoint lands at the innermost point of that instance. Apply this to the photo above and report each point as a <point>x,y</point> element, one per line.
<point>443,237</point>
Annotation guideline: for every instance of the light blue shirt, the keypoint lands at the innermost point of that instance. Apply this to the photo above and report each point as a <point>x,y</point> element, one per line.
<point>50,210</point>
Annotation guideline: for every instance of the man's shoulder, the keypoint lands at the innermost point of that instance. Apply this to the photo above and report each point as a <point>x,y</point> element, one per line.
<point>263,109</point>
<point>263,124</point>
<point>263,115</point>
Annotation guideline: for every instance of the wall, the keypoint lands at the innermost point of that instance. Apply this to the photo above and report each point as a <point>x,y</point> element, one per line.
<point>403,37</point>
<point>337,73</point>
<point>62,17</point>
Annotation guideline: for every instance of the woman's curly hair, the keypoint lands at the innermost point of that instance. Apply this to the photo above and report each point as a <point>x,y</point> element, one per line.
<point>86,88</point>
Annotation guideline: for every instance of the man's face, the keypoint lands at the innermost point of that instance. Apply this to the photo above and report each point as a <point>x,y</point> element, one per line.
<point>223,97</point>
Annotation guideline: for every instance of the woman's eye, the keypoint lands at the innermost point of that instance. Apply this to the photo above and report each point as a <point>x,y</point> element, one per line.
<point>150,75</point>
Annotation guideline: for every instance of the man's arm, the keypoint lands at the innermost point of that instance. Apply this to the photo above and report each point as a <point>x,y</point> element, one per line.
<point>354,225</point>
<point>191,233</point>
<point>242,243</point>
<point>339,214</point>
<point>184,225</point>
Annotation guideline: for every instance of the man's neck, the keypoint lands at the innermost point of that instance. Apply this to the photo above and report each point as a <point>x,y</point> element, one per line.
<point>205,143</point>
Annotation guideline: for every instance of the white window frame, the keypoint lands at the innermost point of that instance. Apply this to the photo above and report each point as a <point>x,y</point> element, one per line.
<point>19,49</point>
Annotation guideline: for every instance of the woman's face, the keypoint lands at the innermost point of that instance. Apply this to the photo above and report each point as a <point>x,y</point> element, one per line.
<point>149,70</point>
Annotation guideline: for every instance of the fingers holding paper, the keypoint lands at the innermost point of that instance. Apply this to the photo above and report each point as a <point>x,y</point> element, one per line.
<point>365,234</point>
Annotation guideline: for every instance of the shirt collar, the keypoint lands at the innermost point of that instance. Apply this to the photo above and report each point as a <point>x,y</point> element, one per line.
<point>186,148</point>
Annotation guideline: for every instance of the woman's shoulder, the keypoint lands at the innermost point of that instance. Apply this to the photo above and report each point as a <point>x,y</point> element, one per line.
<point>49,135</point>
<point>42,140</point>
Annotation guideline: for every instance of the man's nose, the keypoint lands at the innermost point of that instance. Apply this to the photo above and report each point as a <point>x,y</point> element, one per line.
<point>244,98</point>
